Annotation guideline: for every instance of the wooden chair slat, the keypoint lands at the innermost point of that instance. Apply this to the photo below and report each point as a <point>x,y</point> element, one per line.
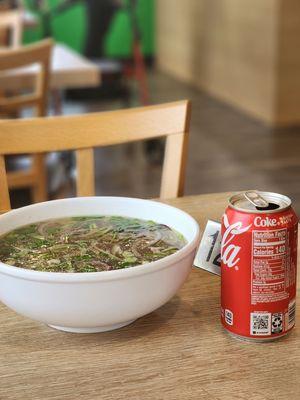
<point>83,133</point>
<point>171,176</point>
<point>174,167</point>
<point>92,130</point>
<point>85,172</point>
<point>19,101</point>
<point>4,193</point>
<point>20,179</point>
<point>22,56</point>
<point>39,187</point>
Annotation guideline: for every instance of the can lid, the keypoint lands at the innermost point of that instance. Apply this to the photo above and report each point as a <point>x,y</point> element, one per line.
<point>259,202</point>
<point>256,199</point>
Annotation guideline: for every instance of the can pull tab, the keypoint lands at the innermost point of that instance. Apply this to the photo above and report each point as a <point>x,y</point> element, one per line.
<point>256,199</point>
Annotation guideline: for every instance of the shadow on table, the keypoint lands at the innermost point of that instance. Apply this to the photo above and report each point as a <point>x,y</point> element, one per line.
<point>41,337</point>
<point>142,327</point>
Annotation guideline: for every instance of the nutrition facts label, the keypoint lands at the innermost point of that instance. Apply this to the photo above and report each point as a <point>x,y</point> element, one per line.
<point>269,266</point>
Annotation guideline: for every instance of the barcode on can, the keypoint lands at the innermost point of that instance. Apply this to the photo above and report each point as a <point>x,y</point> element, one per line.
<point>291,313</point>
<point>260,323</point>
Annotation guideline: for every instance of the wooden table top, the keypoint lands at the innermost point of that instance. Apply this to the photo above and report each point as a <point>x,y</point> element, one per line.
<point>179,351</point>
<point>69,70</point>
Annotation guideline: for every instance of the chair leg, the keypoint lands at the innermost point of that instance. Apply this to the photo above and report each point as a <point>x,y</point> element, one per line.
<point>57,101</point>
<point>39,190</point>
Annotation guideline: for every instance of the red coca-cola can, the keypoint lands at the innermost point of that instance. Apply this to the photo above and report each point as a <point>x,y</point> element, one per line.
<point>259,266</point>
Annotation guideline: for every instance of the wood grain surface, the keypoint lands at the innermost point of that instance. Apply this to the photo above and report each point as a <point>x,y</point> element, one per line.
<point>178,352</point>
<point>219,49</point>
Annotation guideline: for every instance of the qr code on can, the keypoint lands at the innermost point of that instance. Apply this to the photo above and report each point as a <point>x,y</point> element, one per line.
<point>277,323</point>
<point>260,324</point>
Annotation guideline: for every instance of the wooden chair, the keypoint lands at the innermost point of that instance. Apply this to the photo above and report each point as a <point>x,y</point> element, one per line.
<point>40,53</point>
<point>11,28</point>
<point>83,132</point>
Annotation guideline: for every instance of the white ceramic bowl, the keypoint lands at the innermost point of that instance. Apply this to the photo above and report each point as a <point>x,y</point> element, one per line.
<point>97,301</point>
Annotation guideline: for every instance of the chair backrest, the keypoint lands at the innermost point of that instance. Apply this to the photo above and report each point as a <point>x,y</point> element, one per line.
<point>11,27</point>
<point>83,132</point>
<point>38,53</point>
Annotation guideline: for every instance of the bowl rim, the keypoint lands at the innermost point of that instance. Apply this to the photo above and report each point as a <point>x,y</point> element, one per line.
<point>118,274</point>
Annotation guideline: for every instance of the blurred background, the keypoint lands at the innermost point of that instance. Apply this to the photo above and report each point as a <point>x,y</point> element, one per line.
<point>236,60</point>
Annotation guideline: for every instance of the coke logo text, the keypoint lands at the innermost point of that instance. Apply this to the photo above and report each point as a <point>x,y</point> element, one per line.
<point>230,251</point>
<point>265,222</point>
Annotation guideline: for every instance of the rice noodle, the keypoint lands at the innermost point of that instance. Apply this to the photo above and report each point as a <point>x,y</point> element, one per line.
<point>88,244</point>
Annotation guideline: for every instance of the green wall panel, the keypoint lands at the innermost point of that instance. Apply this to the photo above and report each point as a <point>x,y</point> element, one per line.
<point>70,28</point>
